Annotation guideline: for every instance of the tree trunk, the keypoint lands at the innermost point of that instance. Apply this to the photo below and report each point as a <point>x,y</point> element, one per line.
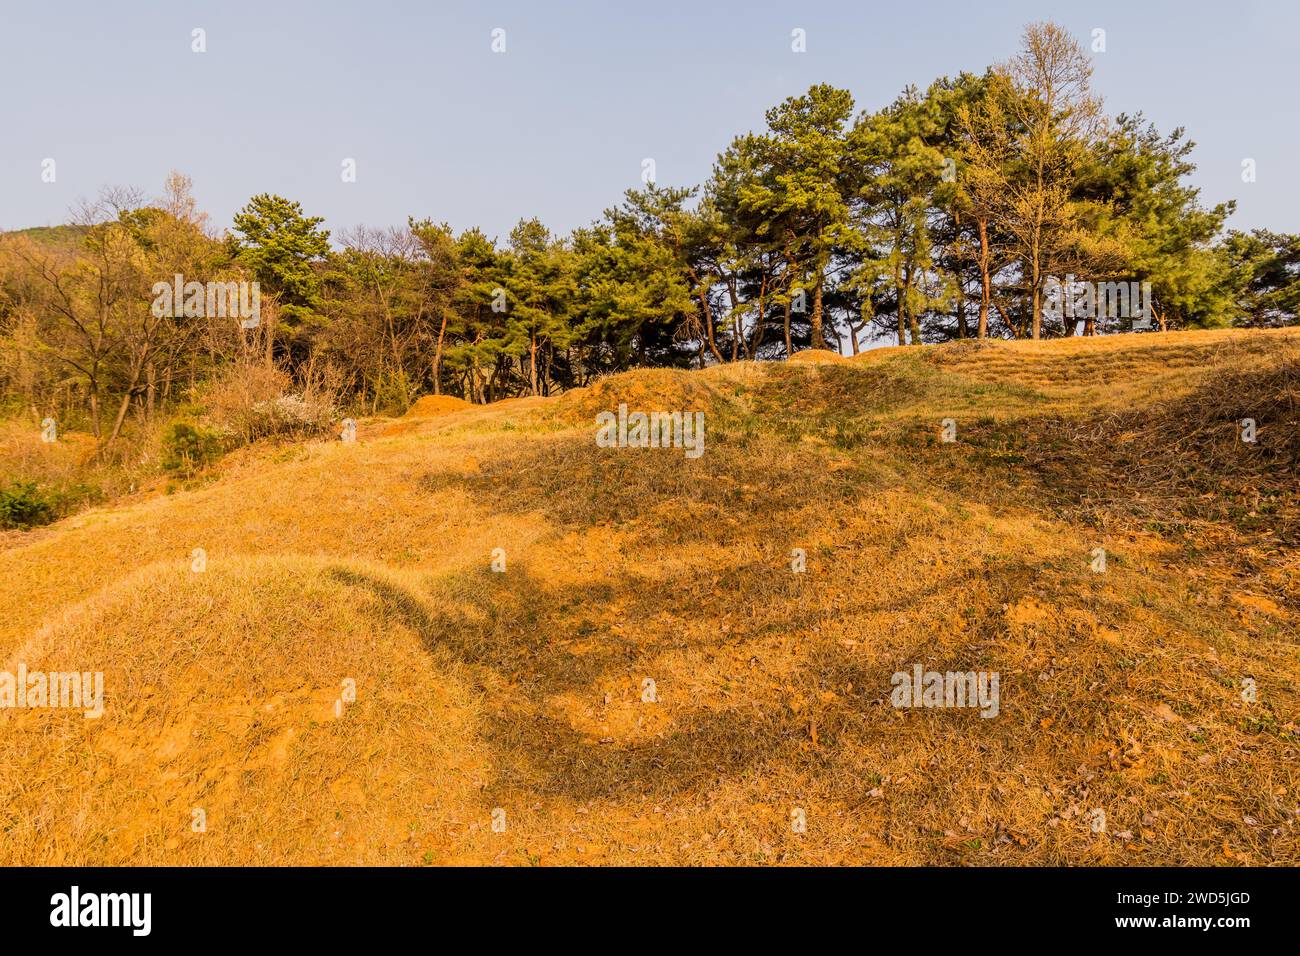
<point>437,356</point>
<point>818,340</point>
<point>708,325</point>
<point>124,406</point>
<point>1035,294</point>
<point>900,294</point>
<point>913,324</point>
<point>94,410</point>
<point>1006,318</point>
<point>270,337</point>
<point>1036,324</point>
<point>532,362</point>
<point>789,349</point>
<point>962,331</point>
<point>735,318</point>
<point>792,272</point>
<point>985,282</point>
<point>752,344</point>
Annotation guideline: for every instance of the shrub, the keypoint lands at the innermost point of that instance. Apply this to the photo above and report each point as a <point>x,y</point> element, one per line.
<point>290,416</point>
<point>254,401</point>
<point>394,391</point>
<point>23,505</point>
<point>186,448</point>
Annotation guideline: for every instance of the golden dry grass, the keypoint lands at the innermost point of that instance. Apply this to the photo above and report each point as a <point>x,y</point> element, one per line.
<point>431,406</point>
<point>523,690</point>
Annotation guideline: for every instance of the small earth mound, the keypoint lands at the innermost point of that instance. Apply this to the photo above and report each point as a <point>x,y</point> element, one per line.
<point>818,355</point>
<point>431,406</point>
<point>960,349</point>
<point>644,390</point>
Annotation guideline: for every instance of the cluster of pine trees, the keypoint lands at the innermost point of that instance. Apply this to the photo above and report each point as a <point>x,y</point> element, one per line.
<point>944,215</point>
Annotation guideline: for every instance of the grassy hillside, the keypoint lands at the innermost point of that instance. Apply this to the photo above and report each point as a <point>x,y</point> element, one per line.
<point>65,237</point>
<point>523,690</point>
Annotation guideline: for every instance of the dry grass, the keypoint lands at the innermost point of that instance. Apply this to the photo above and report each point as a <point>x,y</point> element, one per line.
<point>66,472</point>
<point>431,406</point>
<point>524,690</point>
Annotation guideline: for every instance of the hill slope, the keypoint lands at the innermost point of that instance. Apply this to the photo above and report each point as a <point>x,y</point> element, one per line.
<point>522,697</point>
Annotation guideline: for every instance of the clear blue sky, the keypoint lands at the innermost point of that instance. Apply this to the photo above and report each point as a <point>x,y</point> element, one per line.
<point>558,125</point>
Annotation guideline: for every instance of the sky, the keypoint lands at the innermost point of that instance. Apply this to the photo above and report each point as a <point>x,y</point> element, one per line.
<point>560,123</point>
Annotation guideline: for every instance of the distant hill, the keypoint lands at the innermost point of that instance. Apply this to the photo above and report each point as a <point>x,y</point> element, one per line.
<point>63,237</point>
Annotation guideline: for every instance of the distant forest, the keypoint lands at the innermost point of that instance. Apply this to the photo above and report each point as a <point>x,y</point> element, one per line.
<point>943,216</point>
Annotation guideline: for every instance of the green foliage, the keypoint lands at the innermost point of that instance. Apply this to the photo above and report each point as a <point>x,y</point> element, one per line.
<point>280,245</point>
<point>1156,217</point>
<point>65,237</point>
<point>634,280</point>
<point>1261,277</point>
<point>187,448</point>
<point>899,155</point>
<point>24,505</point>
<point>540,283</point>
<point>394,391</point>
<point>795,180</point>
